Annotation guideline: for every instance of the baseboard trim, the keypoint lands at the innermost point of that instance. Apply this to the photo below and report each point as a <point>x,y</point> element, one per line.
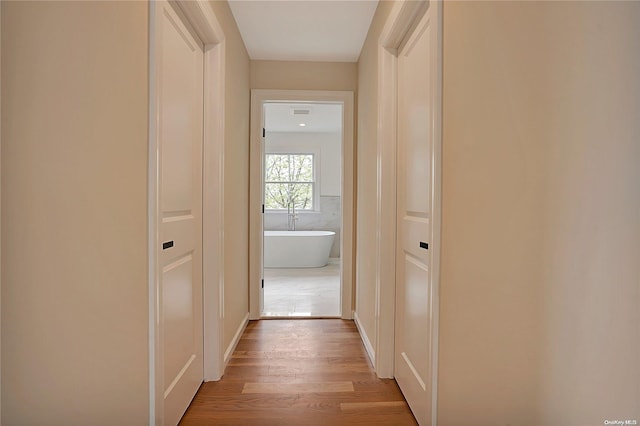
<point>236,339</point>
<point>365,339</point>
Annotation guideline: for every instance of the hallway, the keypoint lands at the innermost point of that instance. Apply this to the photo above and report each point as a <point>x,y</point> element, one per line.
<point>299,372</point>
<point>128,273</point>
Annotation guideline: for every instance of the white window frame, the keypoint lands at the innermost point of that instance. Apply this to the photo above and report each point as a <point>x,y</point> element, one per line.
<point>316,188</point>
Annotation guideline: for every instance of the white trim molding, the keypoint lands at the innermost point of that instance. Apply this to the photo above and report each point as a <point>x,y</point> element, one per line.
<point>213,209</point>
<point>365,339</point>
<point>236,339</point>
<point>436,202</point>
<point>385,290</point>
<point>203,21</point>
<point>155,350</point>
<point>258,98</point>
<point>0,220</point>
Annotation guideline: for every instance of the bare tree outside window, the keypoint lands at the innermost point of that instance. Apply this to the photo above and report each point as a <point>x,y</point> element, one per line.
<point>289,180</point>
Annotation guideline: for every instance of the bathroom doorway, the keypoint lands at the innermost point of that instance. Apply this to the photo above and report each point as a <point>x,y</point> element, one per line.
<point>309,186</point>
<point>302,196</point>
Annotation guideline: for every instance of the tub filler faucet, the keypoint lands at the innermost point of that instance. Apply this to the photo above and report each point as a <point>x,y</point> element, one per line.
<point>291,215</point>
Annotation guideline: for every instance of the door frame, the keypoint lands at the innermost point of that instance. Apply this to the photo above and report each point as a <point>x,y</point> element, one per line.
<point>202,19</point>
<point>0,218</point>
<point>258,98</point>
<point>399,25</point>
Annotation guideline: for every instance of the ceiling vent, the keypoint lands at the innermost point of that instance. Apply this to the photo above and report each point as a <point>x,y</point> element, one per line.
<point>300,111</point>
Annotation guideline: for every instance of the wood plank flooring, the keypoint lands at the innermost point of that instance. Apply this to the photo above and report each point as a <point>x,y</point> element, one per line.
<point>299,372</point>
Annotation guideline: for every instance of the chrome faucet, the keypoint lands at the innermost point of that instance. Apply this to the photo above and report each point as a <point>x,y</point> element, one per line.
<point>291,215</point>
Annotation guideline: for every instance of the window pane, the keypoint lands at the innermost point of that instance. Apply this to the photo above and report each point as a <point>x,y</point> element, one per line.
<point>302,195</point>
<point>276,168</point>
<point>278,195</point>
<point>301,168</point>
<point>286,177</point>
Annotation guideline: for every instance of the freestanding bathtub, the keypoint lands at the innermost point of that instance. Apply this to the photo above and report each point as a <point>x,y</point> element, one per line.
<point>297,249</point>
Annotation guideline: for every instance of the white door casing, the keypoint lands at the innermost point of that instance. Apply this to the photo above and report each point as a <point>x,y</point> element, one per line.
<point>258,98</point>
<point>418,133</point>
<point>180,140</point>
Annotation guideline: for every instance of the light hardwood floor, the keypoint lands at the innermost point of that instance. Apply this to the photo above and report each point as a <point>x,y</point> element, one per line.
<point>299,372</point>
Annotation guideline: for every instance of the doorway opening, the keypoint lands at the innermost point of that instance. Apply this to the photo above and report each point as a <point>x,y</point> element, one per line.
<point>302,188</point>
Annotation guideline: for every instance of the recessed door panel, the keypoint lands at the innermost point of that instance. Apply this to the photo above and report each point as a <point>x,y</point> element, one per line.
<point>180,54</point>
<point>178,313</point>
<point>415,113</point>
<point>416,297</point>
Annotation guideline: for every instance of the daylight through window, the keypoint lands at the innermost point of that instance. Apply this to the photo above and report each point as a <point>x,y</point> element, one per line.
<point>289,180</point>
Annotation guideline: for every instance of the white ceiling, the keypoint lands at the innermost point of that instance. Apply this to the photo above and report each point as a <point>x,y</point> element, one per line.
<point>304,30</point>
<point>322,118</point>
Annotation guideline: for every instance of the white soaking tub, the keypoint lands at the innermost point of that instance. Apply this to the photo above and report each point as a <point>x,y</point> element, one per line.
<point>297,249</point>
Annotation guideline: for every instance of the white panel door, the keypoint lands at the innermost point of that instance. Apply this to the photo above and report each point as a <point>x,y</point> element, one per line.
<point>416,118</point>
<point>180,143</point>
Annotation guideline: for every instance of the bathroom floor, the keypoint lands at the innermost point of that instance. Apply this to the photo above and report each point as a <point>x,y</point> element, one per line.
<point>305,292</point>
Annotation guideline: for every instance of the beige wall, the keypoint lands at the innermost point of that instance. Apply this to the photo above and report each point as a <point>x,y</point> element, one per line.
<point>541,200</point>
<point>290,75</point>
<point>366,221</point>
<point>294,75</point>
<point>236,175</point>
<point>74,218</point>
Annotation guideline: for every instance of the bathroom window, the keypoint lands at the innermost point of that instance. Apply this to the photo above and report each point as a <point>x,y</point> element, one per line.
<point>289,180</point>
